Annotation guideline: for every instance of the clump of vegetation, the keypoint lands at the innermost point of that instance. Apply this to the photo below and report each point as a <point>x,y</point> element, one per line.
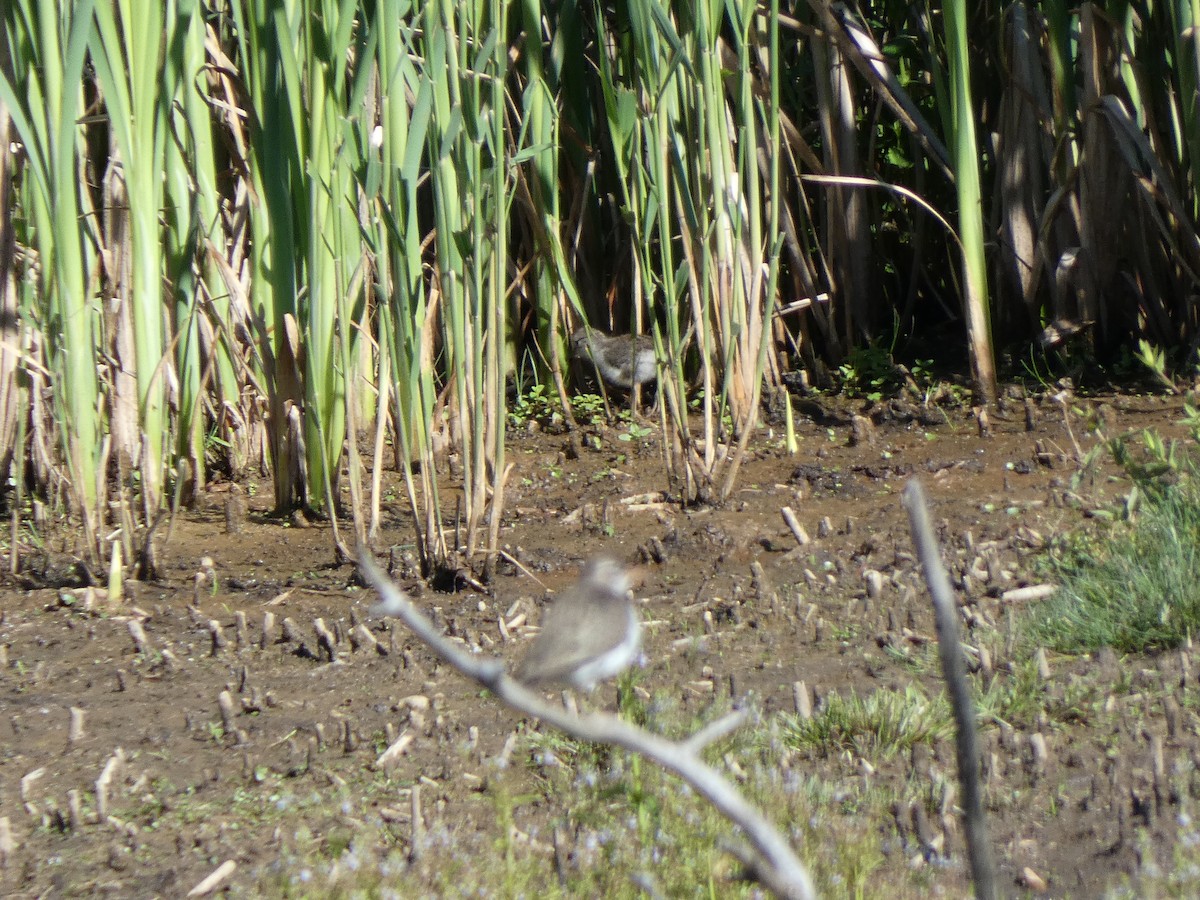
<point>540,404</point>
<point>1135,586</point>
<point>876,726</point>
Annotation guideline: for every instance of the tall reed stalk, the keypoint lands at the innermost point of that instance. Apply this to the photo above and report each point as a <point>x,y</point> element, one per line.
<point>203,313</point>
<point>48,48</point>
<point>405,331</point>
<point>11,450</point>
<point>138,79</point>
<point>970,207</point>
<point>468,159</point>
<point>333,138</point>
<point>266,37</point>
<point>691,167</point>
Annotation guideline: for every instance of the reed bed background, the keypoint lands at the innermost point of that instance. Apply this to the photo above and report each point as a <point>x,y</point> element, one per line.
<point>238,235</point>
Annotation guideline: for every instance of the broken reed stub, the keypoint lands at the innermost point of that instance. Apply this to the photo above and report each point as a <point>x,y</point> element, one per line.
<point>28,780</point>
<point>225,703</point>
<point>235,513</point>
<point>75,809</point>
<point>218,636</point>
<point>1040,753</point>
<point>138,633</point>
<point>362,638</point>
<point>874,582</point>
<point>794,526</point>
<point>7,844</point>
<point>802,700</point>
<point>326,642</point>
<point>75,730</point>
<point>391,756</point>
<point>1043,664</point>
<point>107,774</point>
<point>243,638</point>
<point>418,824</point>
<point>214,880</point>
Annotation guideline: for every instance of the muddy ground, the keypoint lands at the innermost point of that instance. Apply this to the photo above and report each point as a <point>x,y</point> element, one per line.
<point>283,782</point>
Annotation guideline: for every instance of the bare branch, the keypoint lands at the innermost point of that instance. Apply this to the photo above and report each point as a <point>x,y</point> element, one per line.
<point>979,848</point>
<point>778,868</point>
<point>716,729</point>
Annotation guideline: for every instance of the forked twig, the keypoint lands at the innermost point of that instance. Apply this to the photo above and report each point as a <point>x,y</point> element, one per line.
<point>775,864</point>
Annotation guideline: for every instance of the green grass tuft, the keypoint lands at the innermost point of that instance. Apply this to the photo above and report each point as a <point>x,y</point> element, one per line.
<point>876,727</point>
<point>1136,588</point>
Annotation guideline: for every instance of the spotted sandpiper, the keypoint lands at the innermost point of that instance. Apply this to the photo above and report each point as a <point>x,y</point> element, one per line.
<point>591,633</point>
<point>622,360</point>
